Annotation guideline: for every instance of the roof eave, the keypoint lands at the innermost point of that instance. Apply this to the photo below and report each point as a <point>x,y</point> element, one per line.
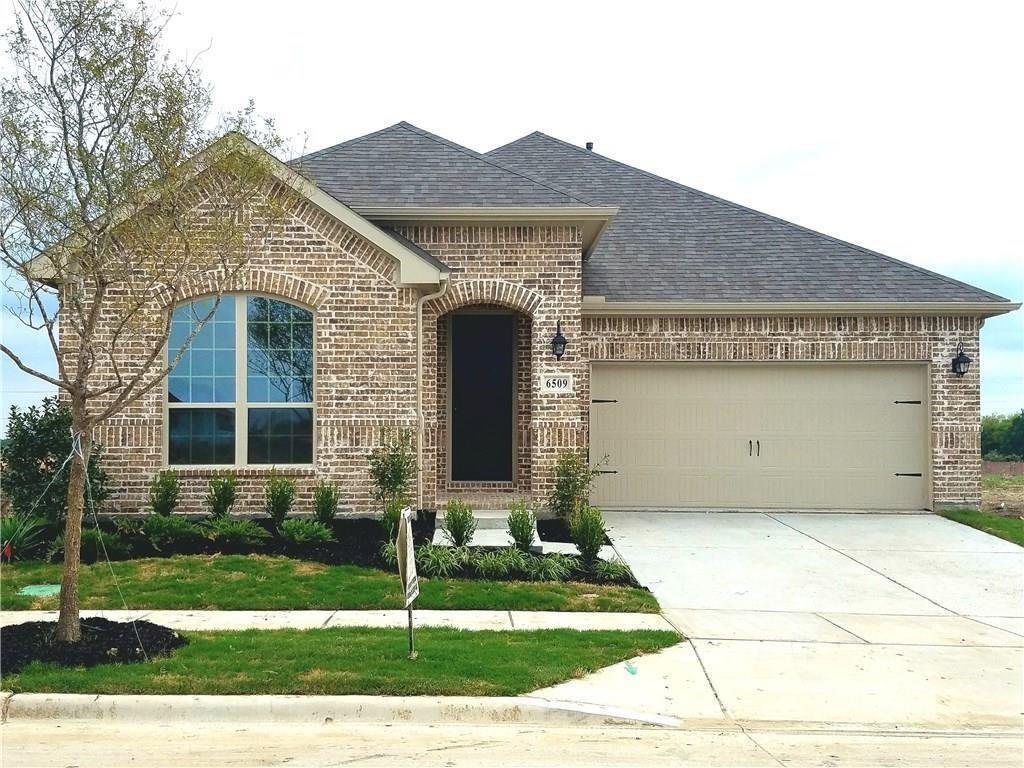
<point>596,306</point>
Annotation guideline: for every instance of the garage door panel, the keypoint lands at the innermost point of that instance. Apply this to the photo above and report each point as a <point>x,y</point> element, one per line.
<point>831,435</point>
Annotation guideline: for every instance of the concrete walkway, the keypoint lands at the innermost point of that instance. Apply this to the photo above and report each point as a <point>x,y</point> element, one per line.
<point>469,620</point>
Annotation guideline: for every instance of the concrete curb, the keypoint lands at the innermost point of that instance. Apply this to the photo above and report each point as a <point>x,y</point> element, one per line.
<point>320,710</point>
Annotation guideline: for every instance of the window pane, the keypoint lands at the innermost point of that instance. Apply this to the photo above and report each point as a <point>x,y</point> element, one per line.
<point>210,353</point>
<point>201,436</point>
<point>280,348</point>
<point>280,436</point>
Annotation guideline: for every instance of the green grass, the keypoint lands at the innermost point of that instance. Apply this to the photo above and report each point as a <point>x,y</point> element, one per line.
<point>1009,528</point>
<point>354,661</point>
<point>999,482</point>
<point>251,582</point>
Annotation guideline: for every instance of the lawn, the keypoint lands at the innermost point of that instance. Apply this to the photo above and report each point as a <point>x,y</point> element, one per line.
<point>254,582</point>
<point>1009,528</point>
<point>354,661</point>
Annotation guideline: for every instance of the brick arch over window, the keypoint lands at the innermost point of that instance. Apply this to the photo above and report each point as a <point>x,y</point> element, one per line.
<point>499,292</point>
<point>266,281</point>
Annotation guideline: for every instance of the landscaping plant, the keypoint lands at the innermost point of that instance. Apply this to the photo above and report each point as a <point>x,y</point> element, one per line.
<point>231,535</point>
<point>21,537</point>
<point>302,535</point>
<point>586,527</point>
<point>499,564</point>
<point>94,543</point>
<point>436,561</point>
<point>573,480</point>
<point>280,496</point>
<point>389,519</point>
<point>325,502</point>
<point>171,534</point>
<point>37,444</point>
<point>522,524</point>
<point>389,553</point>
<point>553,567</point>
<point>163,492</point>
<point>393,469</point>
<point>220,495</point>
<point>612,571</point>
<point>459,524</point>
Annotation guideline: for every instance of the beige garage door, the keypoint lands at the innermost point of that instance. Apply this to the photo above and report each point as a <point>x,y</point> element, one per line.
<point>799,436</point>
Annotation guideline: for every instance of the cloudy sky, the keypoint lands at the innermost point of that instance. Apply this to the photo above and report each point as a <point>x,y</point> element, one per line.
<point>896,126</point>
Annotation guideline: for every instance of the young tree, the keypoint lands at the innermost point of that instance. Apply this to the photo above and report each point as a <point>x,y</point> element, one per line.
<point>113,196</point>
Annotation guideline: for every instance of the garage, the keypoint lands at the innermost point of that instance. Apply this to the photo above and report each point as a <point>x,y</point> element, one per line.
<point>760,435</point>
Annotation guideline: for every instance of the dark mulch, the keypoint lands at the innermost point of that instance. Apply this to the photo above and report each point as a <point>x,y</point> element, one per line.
<point>103,642</point>
<point>555,529</point>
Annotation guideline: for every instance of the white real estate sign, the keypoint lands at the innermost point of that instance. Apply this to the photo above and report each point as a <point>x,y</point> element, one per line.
<point>407,558</point>
<point>557,384</point>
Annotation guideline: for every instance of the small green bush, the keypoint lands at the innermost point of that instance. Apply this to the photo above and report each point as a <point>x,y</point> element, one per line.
<point>389,519</point>
<point>553,567</point>
<point>522,522</point>
<point>500,564</point>
<point>613,572</point>
<point>163,492</point>
<point>325,502</point>
<point>220,496</point>
<point>393,469</point>
<point>573,480</point>
<point>94,543</point>
<point>232,536</point>
<point>587,530</point>
<point>280,496</point>
<point>21,537</point>
<point>436,561</point>
<point>172,534</point>
<point>459,524</point>
<point>389,554</point>
<point>300,535</point>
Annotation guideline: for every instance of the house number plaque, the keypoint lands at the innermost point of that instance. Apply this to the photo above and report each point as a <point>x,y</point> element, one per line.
<point>557,384</point>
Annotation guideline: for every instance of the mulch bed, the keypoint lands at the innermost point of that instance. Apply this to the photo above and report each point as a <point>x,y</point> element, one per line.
<point>554,529</point>
<point>103,642</point>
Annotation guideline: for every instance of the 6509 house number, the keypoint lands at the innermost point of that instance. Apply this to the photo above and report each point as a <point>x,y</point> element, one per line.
<point>557,384</point>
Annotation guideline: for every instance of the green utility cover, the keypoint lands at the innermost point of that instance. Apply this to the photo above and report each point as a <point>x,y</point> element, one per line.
<point>40,590</point>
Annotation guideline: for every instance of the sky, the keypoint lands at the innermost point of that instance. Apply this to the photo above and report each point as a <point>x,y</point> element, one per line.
<point>896,126</point>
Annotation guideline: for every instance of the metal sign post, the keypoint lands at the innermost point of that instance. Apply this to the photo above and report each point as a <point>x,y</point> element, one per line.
<point>407,569</point>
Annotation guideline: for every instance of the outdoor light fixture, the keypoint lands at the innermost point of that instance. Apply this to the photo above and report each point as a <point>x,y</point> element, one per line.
<point>558,342</point>
<point>961,363</point>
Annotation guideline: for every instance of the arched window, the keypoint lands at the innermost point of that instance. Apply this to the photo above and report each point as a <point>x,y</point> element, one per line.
<point>242,392</point>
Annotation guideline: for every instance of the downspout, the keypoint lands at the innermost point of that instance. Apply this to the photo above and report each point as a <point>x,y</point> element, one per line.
<point>420,420</point>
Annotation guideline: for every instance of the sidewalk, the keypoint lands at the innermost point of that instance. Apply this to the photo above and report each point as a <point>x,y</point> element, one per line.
<point>470,620</point>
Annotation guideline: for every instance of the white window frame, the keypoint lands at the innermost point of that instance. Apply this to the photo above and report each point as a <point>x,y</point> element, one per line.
<point>240,405</point>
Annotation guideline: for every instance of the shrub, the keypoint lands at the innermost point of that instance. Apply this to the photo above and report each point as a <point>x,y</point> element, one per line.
<point>436,561</point>
<point>220,496</point>
<point>499,564</point>
<point>613,571</point>
<point>234,536</point>
<point>300,535</point>
<point>94,543</point>
<point>392,469</point>
<point>587,530</point>
<point>389,553</point>
<point>171,534</point>
<point>459,525</point>
<point>325,502</point>
<point>522,522</point>
<point>1002,437</point>
<point>552,567</point>
<point>37,443</point>
<point>163,492</point>
<point>573,480</point>
<point>389,519</point>
<point>21,537</point>
<point>280,495</point>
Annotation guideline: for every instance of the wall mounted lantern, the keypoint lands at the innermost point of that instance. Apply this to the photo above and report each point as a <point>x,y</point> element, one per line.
<point>961,363</point>
<point>558,343</point>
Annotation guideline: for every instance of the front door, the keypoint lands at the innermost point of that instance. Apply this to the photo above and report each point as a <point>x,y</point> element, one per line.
<point>482,348</point>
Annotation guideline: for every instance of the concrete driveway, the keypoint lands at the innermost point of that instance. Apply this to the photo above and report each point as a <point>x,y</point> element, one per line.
<point>866,620</point>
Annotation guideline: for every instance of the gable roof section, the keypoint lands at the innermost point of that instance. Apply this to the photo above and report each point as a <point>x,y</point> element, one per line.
<point>672,243</point>
<point>403,165</point>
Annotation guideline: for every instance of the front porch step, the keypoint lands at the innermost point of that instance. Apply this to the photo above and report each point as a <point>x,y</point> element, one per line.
<point>486,519</point>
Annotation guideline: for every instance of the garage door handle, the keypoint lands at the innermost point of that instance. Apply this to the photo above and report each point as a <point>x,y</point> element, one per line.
<point>908,474</point>
<point>604,401</point>
<point>758,447</point>
<point>606,471</point>
<point>750,447</point>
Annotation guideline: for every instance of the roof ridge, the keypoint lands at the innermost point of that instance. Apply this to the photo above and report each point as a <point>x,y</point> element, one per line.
<point>346,143</point>
<point>480,156</point>
<point>768,216</point>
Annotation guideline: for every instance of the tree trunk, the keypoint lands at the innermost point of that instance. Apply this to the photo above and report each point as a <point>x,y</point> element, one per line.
<point>68,627</point>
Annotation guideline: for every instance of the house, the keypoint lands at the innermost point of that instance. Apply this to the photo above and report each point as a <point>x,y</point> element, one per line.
<point>714,356</point>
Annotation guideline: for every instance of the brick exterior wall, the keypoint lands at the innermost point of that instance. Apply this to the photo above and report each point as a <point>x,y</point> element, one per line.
<point>955,403</point>
<point>365,360</point>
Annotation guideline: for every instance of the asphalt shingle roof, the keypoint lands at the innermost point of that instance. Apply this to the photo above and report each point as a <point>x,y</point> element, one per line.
<point>403,165</point>
<point>670,242</point>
